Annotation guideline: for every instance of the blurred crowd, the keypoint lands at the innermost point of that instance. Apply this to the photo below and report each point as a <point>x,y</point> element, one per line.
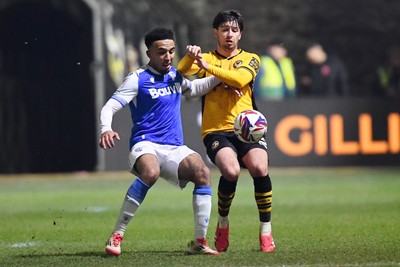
<point>326,74</point>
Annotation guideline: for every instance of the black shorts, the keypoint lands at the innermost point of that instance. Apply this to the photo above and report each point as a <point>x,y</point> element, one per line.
<point>215,141</point>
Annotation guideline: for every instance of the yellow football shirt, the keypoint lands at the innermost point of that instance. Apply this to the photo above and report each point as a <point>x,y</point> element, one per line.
<point>221,105</point>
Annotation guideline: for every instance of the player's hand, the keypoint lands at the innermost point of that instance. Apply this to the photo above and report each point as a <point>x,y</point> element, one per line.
<point>231,88</point>
<point>201,62</point>
<point>107,139</point>
<point>193,51</point>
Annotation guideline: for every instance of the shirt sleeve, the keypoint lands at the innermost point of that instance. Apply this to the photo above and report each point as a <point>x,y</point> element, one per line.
<point>199,87</point>
<point>239,77</point>
<point>127,91</point>
<point>106,115</point>
<point>187,66</point>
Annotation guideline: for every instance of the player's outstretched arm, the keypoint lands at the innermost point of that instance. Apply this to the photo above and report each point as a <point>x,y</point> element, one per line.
<point>106,116</point>
<point>236,78</point>
<point>199,87</point>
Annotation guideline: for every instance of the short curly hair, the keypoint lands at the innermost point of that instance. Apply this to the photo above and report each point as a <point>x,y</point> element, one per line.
<point>158,34</point>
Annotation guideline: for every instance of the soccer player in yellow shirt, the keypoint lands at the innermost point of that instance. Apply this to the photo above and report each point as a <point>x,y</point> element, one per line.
<point>237,70</point>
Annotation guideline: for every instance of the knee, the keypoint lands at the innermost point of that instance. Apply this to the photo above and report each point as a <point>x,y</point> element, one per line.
<point>231,174</point>
<point>258,170</point>
<point>150,176</point>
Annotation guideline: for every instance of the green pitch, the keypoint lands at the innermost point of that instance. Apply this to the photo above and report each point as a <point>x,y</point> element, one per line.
<point>321,217</point>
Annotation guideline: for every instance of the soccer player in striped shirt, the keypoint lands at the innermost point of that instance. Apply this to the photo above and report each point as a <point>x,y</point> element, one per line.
<point>237,70</point>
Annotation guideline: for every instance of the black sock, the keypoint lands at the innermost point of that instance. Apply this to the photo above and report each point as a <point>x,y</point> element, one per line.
<point>263,196</point>
<point>226,193</point>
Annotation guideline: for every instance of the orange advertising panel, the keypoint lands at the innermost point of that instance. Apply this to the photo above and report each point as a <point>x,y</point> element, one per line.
<point>321,132</point>
<point>353,131</point>
<point>313,136</point>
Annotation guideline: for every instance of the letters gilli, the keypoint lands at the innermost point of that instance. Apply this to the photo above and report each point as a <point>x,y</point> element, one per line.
<point>323,135</point>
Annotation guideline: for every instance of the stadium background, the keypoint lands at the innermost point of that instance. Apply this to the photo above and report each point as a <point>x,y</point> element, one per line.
<point>60,61</point>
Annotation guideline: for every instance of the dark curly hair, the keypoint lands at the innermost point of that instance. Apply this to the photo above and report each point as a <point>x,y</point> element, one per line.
<point>158,34</point>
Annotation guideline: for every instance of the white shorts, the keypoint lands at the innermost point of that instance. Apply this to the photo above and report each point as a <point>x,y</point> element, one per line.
<point>168,158</point>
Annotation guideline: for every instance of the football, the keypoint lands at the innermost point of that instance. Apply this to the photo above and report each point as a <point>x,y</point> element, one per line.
<point>250,126</point>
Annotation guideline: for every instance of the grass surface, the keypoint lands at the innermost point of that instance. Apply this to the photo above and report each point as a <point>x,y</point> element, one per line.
<point>321,217</point>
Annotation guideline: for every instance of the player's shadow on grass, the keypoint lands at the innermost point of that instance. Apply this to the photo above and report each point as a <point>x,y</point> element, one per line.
<point>104,255</point>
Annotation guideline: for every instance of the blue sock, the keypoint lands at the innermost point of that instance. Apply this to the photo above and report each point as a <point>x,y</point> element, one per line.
<point>202,190</point>
<point>134,197</point>
<point>137,191</point>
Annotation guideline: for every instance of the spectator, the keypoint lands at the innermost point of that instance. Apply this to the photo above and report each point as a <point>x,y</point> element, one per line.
<point>387,80</point>
<point>276,77</point>
<point>327,75</point>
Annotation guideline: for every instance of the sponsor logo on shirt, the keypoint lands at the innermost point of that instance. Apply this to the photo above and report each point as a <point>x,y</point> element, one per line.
<point>173,89</point>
